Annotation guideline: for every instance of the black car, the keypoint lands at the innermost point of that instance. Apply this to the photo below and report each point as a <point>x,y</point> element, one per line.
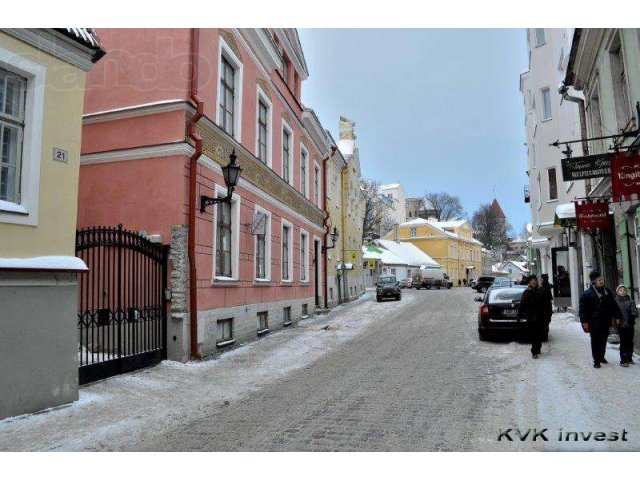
<point>484,283</point>
<point>388,286</point>
<point>447,282</point>
<point>499,312</point>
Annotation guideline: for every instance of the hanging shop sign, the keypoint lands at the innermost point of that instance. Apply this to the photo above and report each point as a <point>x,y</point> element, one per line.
<point>592,215</point>
<point>625,176</point>
<point>591,166</point>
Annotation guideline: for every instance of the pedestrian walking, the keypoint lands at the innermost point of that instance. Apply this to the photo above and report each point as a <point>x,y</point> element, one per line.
<point>532,309</point>
<point>597,311</point>
<point>547,295</point>
<point>625,324</point>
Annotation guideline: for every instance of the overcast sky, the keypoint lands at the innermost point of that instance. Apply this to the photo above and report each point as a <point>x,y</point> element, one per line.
<point>434,109</point>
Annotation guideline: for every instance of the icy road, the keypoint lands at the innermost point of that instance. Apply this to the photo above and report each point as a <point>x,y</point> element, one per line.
<point>401,376</point>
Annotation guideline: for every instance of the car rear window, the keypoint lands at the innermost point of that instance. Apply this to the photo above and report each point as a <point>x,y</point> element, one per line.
<point>387,279</point>
<point>485,279</point>
<point>505,295</point>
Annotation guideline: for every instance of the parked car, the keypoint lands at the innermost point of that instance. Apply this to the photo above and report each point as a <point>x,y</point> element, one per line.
<point>388,286</point>
<point>484,283</point>
<point>446,281</point>
<point>428,278</point>
<point>406,283</point>
<point>499,313</point>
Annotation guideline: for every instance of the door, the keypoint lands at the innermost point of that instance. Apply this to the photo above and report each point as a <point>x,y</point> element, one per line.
<point>316,270</point>
<point>561,280</point>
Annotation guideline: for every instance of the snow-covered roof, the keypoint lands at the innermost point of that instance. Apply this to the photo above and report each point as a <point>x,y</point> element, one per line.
<point>566,210</point>
<point>389,186</point>
<point>385,256</point>
<point>408,252</point>
<point>452,223</point>
<point>48,263</point>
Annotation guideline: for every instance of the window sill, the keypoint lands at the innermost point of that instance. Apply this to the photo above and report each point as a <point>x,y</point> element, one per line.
<point>262,282</point>
<point>304,282</point>
<point>263,332</point>
<point>225,343</point>
<point>225,282</point>
<point>10,207</point>
<point>287,324</point>
<point>552,201</point>
<point>546,119</point>
<point>286,283</point>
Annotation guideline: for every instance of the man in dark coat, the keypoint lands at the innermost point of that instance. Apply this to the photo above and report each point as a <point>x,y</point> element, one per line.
<point>532,309</point>
<point>597,311</point>
<point>547,295</point>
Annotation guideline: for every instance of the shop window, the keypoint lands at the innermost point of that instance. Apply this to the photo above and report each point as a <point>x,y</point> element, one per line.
<point>225,332</point>
<point>263,322</point>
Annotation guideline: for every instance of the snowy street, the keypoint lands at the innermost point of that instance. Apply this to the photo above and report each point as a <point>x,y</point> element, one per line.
<point>409,375</point>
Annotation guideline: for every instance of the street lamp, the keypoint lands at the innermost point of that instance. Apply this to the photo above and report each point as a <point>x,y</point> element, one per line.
<point>231,174</point>
<point>334,239</point>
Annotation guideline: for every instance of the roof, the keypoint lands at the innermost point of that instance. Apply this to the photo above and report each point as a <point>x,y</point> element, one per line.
<point>452,223</point>
<point>398,253</point>
<point>389,186</point>
<point>497,209</point>
<point>87,37</point>
<point>440,226</point>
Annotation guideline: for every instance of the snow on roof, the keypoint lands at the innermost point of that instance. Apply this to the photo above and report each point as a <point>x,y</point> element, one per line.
<point>385,256</point>
<point>389,186</point>
<point>346,146</point>
<point>453,223</point>
<point>566,210</point>
<point>53,262</point>
<point>409,253</point>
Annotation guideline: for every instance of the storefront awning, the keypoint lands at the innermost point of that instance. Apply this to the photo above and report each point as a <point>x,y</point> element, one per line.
<point>565,215</point>
<point>539,242</point>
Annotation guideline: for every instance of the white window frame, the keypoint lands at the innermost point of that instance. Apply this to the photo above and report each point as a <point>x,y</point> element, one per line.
<point>317,185</point>
<point>306,171</point>
<point>267,247</point>
<point>26,212</point>
<point>544,36</point>
<point>550,112</point>
<point>225,51</point>
<point>220,191</point>
<point>285,223</point>
<point>262,97</point>
<point>304,240</point>
<point>287,127</point>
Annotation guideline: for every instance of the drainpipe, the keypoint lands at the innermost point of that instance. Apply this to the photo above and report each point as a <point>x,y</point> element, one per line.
<point>193,166</point>
<point>325,224</point>
<point>574,261</point>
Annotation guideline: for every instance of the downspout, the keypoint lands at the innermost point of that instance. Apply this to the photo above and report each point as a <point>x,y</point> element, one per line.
<point>325,224</point>
<point>193,165</point>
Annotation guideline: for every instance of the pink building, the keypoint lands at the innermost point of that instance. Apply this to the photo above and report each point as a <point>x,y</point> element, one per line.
<point>254,257</point>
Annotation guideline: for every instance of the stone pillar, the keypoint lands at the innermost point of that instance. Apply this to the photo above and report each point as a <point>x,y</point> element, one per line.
<point>178,325</point>
<point>574,278</point>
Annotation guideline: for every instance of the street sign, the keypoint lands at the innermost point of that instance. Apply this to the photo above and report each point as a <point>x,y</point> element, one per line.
<point>625,176</point>
<point>591,166</point>
<point>592,215</point>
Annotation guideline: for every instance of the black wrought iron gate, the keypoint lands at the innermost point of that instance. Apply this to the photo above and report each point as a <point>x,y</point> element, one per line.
<point>122,313</point>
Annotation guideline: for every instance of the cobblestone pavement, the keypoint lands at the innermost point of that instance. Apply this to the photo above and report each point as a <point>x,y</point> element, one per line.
<point>397,376</point>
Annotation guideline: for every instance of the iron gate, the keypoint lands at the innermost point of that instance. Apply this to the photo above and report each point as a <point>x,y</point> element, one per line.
<point>122,313</point>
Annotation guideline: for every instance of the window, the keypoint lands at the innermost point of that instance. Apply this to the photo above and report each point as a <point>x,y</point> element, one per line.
<point>553,186</point>
<point>285,68</point>
<point>316,186</point>
<point>540,37</point>
<point>546,104</point>
<point>619,80</point>
<point>304,155</point>
<point>262,132</point>
<point>414,231</point>
<point>287,141</point>
<point>227,96</point>
<point>286,252</point>
<point>393,271</point>
<point>12,112</point>
<point>304,257</point>
<point>305,309</point>
<point>262,222</point>
<point>286,316</point>
<point>595,121</point>
<point>223,240</point>
<point>263,322</point>
<point>225,332</point>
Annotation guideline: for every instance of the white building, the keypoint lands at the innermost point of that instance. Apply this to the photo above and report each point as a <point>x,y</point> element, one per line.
<point>394,258</point>
<point>549,117</point>
<point>395,192</point>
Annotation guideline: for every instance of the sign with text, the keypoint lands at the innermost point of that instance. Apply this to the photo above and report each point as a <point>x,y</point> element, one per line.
<point>591,166</point>
<point>592,215</point>
<point>625,176</point>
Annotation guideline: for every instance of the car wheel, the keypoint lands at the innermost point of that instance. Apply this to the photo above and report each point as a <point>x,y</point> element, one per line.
<point>417,288</point>
<point>449,287</point>
<point>482,336</point>
<point>399,297</point>
<point>378,299</point>
<point>428,287</point>
<point>483,290</point>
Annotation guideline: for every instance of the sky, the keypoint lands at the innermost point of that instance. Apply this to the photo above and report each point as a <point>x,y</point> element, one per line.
<point>435,109</point>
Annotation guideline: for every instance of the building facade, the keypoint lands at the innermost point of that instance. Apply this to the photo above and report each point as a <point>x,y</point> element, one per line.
<point>419,208</point>
<point>604,66</point>
<point>549,117</point>
<point>397,210</point>
<point>451,244</point>
<point>154,141</point>
<point>42,80</point>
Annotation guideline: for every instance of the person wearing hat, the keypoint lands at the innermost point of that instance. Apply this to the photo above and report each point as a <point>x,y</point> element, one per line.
<point>597,311</point>
<point>532,309</point>
<point>625,324</point>
<point>547,294</point>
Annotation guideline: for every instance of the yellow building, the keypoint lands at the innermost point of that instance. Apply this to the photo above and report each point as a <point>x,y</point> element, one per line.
<point>451,244</point>
<point>42,78</point>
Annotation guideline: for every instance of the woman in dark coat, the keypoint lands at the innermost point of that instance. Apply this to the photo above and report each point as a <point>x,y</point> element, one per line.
<point>625,324</point>
<point>547,295</point>
<point>532,308</point>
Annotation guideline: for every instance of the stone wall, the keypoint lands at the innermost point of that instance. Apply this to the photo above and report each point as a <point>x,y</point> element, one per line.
<point>178,325</point>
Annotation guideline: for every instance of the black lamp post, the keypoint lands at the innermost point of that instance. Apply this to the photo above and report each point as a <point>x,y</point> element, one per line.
<point>334,239</point>
<point>231,174</point>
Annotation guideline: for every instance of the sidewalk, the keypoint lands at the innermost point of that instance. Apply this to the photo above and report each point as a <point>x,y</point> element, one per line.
<point>113,413</point>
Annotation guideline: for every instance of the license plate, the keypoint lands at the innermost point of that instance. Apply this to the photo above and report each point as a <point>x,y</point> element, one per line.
<point>510,313</point>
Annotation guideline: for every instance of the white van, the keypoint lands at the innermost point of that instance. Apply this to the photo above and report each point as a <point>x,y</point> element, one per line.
<point>429,277</point>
